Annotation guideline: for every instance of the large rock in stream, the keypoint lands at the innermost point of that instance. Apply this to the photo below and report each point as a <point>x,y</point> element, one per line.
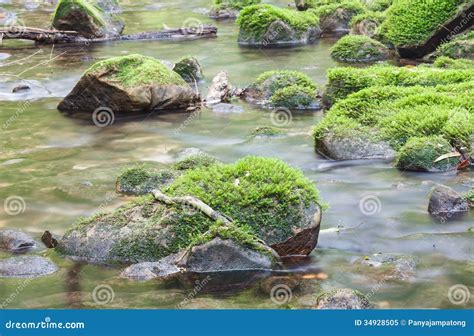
<point>445,203</point>
<point>92,19</point>
<point>129,84</point>
<point>265,199</point>
<point>26,267</point>
<point>16,241</point>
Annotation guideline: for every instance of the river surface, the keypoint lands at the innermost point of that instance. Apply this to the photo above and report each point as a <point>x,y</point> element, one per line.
<point>65,168</point>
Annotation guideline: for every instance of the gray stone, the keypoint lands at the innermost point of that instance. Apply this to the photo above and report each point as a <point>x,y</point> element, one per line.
<point>16,241</point>
<point>220,89</point>
<point>26,267</point>
<point>445,203</point>
<point>163,269</point>
<point>399,266</point>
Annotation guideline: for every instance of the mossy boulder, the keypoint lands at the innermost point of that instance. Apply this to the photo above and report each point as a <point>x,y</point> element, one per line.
<point>427,24</point>
<point>266,25</point>
<point>399,117</point>
<point>449,63</point>
<point>284,88</point>
<point>446,204</point>
<point>129,84</point>
<point>336,17</point>
<point>359,49</point>
<point>266,132</point>
<point>346,80</point>
<point>92,19</point>
<point>461,46</point>
<point>469,196</point>
<point>367,24</point>
<point>266,200</point>
<point>421,153</point>
<point>229,9</point>
<point>189,69</point>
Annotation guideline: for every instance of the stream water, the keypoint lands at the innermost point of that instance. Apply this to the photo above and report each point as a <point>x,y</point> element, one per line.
<point>64,168</point>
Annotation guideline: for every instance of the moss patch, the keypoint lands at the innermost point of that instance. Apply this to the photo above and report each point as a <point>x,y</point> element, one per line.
<point>469,196</point>
<point>460,47</point>
<point>346,80</point>
<point>449,63</point>
<point>136,70</point>
<point>420,154</point>
<point>411,22</point>
<point>358,48</point>
<point>344,10</point>
<point>235,4</point>
<point>141,180</point>
<point>255,20</point>
<point>294,97</point>
<point>266,131</point>
<point>195,161</point>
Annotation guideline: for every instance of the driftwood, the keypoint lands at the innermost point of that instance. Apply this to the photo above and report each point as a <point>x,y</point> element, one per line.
<point>46,36</point>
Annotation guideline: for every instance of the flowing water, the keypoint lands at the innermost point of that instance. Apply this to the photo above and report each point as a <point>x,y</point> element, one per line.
<point>65,168</point>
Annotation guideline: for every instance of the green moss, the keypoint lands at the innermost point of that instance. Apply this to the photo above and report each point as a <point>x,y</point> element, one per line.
<point>235,4</point>
<point>136,70</point>
<point>265,131</point>
<point>469,196</point>
<point>189,69</point>
<point>460,47</point>
<point>273,81</point>
<point>259,192</point>
<point>412,22</point>
<point>345,9</point>
<point>376,17</point>
<point>449,63</point>
<point>254,20</point>
<point>195,161</point>
<point>399,114</point>
<point>420,154</point>
<point>377,5</point>
<point>64,7</point>
<point>294,97</point>
<point>142,180</point>
<point>346,80</point>
<point>358,48</point>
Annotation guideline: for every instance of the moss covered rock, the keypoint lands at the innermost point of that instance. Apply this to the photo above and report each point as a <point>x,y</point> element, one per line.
<point>419,30</point>
<point>359,49</point>
<point>92,19</point>
<point>421,153</point>
<point>336,17</point>
<point>141,181</point>
<point>461,46</point>
<point>284,88</point>
<point>129,84</point>
<point>399,117</point>
<point>367,23</point>
<point>346,80</point>
<point>229,9</point>
<point>189,69</point>
<point>469,196</point>
<point>265,199</point>
<point>342,299</point>
<point>267,25</point>
<point>449,63</point>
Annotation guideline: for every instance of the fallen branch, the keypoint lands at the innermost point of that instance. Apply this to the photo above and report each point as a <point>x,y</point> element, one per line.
<point>46,36</point>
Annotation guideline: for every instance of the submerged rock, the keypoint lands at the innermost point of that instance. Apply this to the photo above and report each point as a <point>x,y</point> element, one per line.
<point>342,299</point>
<point>189,69</point>
<point>163,269</point>
<point>359,49</point>
<point>16,241</point>
<point>129,84</point>
<point>445,203</point>
<point>393,266</point>
<point>91,19</point>
<point>287,89</point>
<point>266,26</point>
<point>266,199</point>
<point>21,88</point>
<point>26,267</point>
<point>223,108</point>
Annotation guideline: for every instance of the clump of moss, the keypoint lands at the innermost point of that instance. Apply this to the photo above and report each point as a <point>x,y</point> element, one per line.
<point>420,154</point>
<point>195,161</point>
<point>265,131</point>
<point>255,20</point>
<point>277,80</point>
<point>469,196</point>
<point>377,5</point>
<point>294,97</point>
<point>376,17</point>
<point>449,63</point>
<point>259,192</point>
<point>397,115</point>
<point>140,180</point>
<point>344,9</point>
<point>346,80</point>
<point>136,70</point>
<point>235,4</point>
<point>411,22</point>
<point>461,46</point>
<point>358,48</point>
